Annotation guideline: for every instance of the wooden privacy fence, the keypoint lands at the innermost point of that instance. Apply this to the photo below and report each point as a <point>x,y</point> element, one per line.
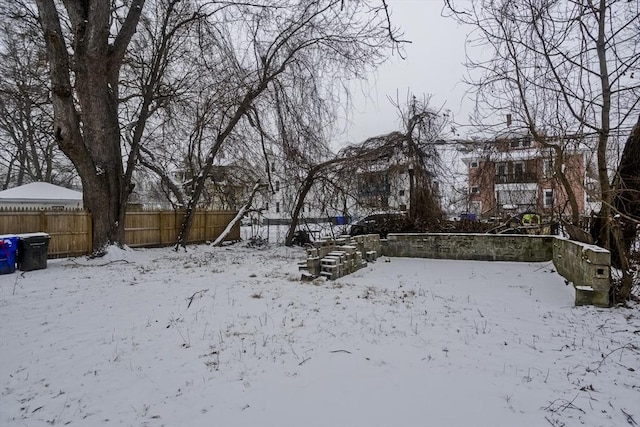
<point>70,231</point>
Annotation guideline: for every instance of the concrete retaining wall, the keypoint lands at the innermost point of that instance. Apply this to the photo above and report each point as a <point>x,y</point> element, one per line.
<point>588,267</point>
<point>479,247</point>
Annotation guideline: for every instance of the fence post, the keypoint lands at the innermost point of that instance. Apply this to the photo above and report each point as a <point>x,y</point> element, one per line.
<point>43,222</point>
<point>206,232</point>
<point>160,227</point>
<point>89,232</point>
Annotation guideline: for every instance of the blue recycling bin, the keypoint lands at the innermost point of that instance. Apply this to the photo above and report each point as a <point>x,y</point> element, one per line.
<point>8,248</point>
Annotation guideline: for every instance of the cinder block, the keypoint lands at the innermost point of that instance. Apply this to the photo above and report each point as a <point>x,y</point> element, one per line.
<point>599,257</point>
<point>347,248</point>
<point>586,295</point>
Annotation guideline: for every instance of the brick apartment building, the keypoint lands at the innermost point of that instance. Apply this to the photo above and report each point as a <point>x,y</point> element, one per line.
<point>515,175</point>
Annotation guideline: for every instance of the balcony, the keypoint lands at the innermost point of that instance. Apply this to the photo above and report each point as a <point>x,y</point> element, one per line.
<point>517,178</point>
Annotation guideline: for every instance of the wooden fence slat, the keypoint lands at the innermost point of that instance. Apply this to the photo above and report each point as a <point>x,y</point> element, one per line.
<point>70,231</point>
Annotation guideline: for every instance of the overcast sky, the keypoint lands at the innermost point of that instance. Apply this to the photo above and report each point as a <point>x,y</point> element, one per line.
<point>433,64</point>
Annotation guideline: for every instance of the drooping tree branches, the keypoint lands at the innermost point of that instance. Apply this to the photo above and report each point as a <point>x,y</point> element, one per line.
<point>411,150</point>
<point>124,73</point>
<point>282,52</point>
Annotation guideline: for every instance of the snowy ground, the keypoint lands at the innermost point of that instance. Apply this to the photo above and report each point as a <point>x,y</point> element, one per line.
<point>230,337</point>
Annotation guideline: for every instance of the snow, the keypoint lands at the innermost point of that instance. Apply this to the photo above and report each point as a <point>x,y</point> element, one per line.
<point>40,191</point>
<point>229,336</point>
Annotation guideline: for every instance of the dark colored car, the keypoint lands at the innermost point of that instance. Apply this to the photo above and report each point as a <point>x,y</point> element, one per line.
<point>380,223</point>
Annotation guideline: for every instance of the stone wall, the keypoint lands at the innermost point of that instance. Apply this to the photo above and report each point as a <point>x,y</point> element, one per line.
<point>479,247</point>
<point>588,267</point>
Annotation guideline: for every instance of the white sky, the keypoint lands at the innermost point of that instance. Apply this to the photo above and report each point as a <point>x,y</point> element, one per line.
<point>433,65</point>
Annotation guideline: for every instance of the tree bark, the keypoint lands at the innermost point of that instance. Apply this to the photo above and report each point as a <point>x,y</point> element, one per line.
<point>626,185</point>
<point>307,183</point>
<point>86,123</point>
<point>603,132</point>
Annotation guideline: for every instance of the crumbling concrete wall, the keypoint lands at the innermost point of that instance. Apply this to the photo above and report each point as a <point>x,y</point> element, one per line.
<point>479,247</point>
<point>588,267</point>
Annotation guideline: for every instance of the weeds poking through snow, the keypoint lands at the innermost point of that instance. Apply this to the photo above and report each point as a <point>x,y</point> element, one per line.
<point>627,346</point>
<point>561,405</point>
<point>198,294</point>
<point>186,342</point>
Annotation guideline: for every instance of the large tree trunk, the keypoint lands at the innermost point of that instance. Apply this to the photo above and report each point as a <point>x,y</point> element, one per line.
<point>103,171</point>
<point>85,102</point>
<point>300,197</point>
<point>626,203</point>
<point>605,126</point>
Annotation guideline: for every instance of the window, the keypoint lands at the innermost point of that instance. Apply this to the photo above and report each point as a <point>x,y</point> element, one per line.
<point>518,170</point>
<point>475,190</point>
<point>273,167</point>
<point>277,207</point>
<point>547,167</point>
<point>266,206</point>
<point>474,164</point>
<point>277,185</point>
<point>514,143</point>
<point>402,192</point>
<point>526,142</point>
<point>548,198</point>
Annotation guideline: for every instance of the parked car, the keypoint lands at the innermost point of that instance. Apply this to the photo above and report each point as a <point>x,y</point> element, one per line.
<point>380,223</point>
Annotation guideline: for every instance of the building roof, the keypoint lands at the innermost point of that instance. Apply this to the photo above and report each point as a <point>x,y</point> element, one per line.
<point>40,191</point>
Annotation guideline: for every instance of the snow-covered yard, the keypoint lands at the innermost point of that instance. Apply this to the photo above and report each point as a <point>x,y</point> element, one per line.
<point>230,337</point>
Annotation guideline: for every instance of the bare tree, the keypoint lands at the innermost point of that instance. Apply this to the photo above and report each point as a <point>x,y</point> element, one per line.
<point>286,46</point>
<point>561,68</point>
<point>27,150</point>
<point>107,83</point>
<point>413,150</point>
<point>422,128</point>
<point>345,163</point>
<point>85,64</point>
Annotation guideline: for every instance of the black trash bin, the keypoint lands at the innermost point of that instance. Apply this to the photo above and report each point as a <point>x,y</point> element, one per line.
<point>32,251</point>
